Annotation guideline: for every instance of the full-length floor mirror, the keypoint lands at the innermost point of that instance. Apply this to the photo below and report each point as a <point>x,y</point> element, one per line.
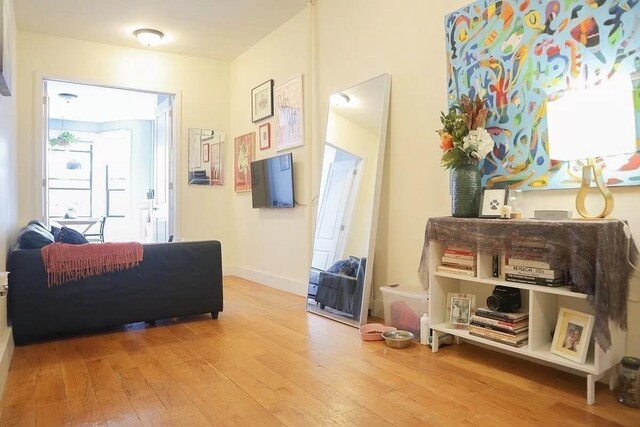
<point>344,239</point>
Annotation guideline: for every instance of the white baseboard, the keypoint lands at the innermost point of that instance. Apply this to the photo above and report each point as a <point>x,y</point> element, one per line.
<point>268,279</point>
<point>6,352</point>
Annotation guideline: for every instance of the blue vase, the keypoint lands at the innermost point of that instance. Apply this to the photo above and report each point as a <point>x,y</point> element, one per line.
<point>465,191</point>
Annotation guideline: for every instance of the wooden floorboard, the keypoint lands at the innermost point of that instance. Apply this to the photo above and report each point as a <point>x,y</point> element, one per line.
<point>267,362</point>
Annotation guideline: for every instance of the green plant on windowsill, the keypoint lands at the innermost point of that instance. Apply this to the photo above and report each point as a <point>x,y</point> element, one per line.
<point>63,140</point>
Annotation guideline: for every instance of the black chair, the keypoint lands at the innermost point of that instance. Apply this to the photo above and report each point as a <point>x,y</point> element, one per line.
<point>97,237</point>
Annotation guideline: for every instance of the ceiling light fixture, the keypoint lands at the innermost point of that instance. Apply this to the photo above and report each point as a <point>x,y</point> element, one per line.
<point>148,37</point>
<point>339,99</point>
<point>68,97</point>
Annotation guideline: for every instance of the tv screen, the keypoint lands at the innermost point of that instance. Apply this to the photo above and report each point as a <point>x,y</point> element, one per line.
<point>272,182</point>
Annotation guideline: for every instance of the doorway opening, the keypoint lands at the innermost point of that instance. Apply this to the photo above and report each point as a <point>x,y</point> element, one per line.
<point>108,162</point>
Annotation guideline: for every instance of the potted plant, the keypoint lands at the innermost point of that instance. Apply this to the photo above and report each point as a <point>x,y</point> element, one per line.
<point>63,140</point>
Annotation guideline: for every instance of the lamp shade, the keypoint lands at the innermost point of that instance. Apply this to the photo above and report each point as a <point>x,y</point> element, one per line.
<point>595,122</point>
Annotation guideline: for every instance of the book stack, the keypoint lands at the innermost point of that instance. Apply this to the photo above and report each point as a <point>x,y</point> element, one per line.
<point>532,272</point>
<point>511,329</point>
<point>458,261</point>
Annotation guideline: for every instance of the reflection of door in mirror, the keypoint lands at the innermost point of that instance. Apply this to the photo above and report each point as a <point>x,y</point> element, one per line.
<point>342,258</point>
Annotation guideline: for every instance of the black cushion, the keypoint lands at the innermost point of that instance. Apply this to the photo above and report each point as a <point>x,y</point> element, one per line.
<point>69,235</point>
<point>34,236</point>
<point>55,231</point>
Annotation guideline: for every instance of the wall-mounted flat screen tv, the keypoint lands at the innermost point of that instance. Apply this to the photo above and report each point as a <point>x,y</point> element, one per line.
<point>272,182</point>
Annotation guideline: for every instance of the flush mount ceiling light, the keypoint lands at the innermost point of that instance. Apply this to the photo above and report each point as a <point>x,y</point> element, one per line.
<point>68,97</point>
<point>339,99</point>
<point>148,37</point>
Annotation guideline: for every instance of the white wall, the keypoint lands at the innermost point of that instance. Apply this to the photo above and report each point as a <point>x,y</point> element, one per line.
<point>203,89</point>
<point>272,245</point>
<point>359,39</point>
<point>8,185</point>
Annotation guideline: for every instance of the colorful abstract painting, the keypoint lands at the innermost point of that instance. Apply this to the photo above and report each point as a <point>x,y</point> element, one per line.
<point>516,54</point>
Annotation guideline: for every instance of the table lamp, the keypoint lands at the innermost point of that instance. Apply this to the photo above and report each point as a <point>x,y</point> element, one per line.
<point>589,123</point>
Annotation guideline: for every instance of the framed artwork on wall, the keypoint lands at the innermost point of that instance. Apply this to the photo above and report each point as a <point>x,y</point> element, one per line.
<point>288,98</point>
<point>262,101</point>
<point>572,335</point>
<point>243,155</point>
<point>264,132</point>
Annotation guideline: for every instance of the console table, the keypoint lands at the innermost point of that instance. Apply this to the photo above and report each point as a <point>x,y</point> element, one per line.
<point>594,253</point>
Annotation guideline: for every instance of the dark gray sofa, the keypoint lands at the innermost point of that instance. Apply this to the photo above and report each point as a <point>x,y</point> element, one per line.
<point>174,279</point>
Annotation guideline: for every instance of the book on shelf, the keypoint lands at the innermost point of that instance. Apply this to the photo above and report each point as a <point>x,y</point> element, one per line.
<point>500,323</point>
<point>520,262</point>
<point>459,261</point>
<point>458,266</point>
<point>503,329</point>
<point>509,343</point>
<point>530,280</point>
<point>458,252</point>
<point>499,335</point>
<point>458,256</point>
<point>498,315</point>
<point>544,273</point>
<point>455,270</point>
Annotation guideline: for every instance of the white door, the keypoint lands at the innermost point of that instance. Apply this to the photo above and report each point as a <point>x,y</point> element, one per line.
<point>161,145</point>
<point>330,226</point>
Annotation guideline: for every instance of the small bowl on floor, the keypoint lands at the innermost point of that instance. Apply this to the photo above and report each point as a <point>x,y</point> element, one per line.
<point>397,339</point>
<point>374,331</point>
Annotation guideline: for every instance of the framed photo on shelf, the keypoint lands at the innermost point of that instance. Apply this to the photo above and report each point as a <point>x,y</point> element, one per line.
<point>289,114</point>
<point>262,101</point>
<point>572,335</point>
<point>492,201</point>
<point>460,308</point>
<point>264,134</point>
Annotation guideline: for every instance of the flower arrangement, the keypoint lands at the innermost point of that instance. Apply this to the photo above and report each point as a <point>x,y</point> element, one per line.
<point>463,136</point>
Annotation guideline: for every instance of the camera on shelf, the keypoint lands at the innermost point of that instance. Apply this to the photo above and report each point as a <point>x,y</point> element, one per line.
<point>504,299</point>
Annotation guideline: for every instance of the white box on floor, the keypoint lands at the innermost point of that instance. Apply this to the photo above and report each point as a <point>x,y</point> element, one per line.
<point>404,307</point>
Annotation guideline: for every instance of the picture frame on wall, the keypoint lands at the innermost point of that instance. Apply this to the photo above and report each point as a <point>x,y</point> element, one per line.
<point>264,134</point>
<point>460,308</point>
<point>289,112</point>
<point>572,335</point>
<point>262,101</point>
<point>492,201</point>
<point>216,152</point>
<point>243,155</point>
<point>205,153</point>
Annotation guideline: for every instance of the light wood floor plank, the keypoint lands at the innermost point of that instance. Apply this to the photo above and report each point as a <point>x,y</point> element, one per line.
<point>267,362</point>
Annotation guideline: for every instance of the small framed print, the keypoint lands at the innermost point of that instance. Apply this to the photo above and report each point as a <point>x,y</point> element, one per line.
<point>262,101</point>
<point>285,162</point>
<point>492,202</point>
<point>572,335</point>
<point>205,153</point>
<point>460,308</point>
<point>264,134</point>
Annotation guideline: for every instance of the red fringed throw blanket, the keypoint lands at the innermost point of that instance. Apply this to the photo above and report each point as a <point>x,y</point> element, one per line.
<point>64,262</point>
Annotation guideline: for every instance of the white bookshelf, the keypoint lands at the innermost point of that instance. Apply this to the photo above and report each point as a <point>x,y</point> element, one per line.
<point>543,304</point>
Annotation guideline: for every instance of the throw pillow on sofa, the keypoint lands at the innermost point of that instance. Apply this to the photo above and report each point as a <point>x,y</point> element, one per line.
<point>34,236</point>
<point>69,235</point>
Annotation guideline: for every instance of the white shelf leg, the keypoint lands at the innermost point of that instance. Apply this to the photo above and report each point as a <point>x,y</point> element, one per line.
<point>613,379</point>
<point>435,340</point>
<point>591,390</point>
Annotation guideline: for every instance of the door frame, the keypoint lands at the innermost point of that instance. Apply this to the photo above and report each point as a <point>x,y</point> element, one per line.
<point>40,140</point>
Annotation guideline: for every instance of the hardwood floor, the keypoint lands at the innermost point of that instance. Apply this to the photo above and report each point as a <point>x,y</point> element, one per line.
<point>266,362</point>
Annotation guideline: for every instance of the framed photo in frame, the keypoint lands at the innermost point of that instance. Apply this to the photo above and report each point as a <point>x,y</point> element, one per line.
<point>205,153</point>
<point>243,155</point>
<point>264,135</point>
<point>288,99</point>
<point>572,335</point>
<point>492,201</point>
<point>262,101</point>
<point>460,308</point>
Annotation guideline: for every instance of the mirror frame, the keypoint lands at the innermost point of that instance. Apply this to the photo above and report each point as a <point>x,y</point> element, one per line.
<point>382,143</point>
